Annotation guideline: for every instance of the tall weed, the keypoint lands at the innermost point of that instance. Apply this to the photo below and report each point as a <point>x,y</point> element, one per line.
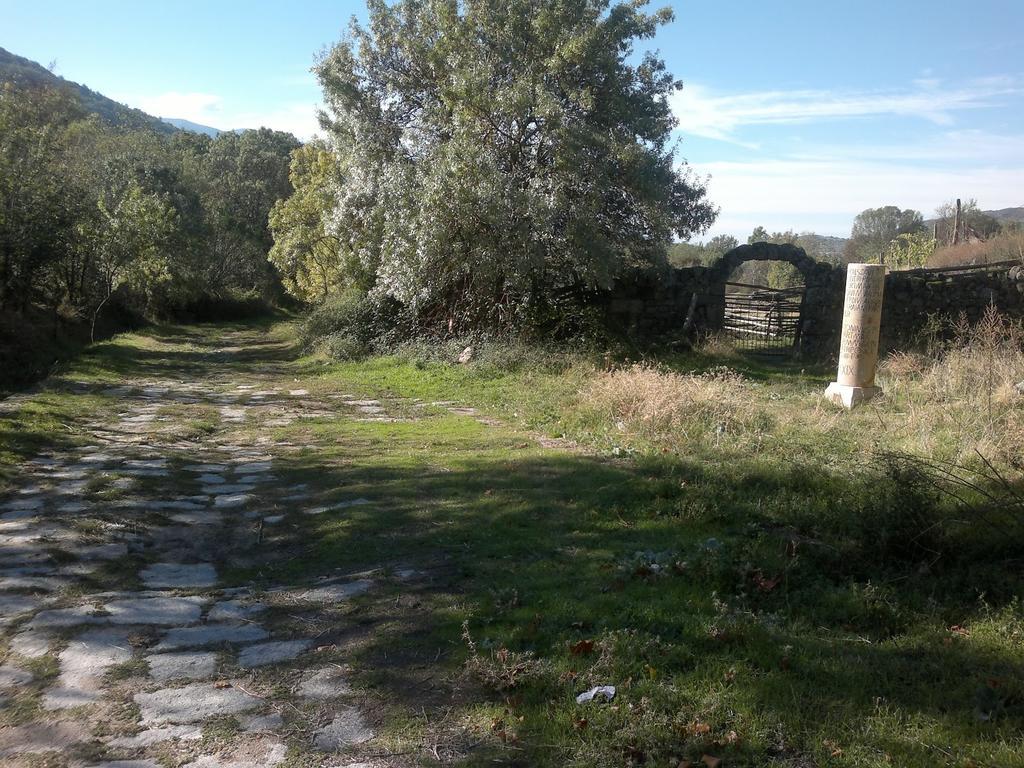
<point>969,386</point>
<point>668,407</point>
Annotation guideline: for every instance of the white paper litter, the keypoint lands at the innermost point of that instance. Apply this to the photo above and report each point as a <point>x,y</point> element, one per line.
<point>605,691</point>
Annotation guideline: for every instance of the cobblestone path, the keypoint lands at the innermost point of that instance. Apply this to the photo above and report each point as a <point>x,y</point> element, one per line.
<point>125,644</point>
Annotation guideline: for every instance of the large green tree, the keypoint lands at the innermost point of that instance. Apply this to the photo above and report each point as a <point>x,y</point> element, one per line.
<point>37,201</point>
<point>241,176</point>
<point>974,223</point>
<point>306,253</point>
<point>495,155</point>
<point>131,244</point>
<point>875,228</point>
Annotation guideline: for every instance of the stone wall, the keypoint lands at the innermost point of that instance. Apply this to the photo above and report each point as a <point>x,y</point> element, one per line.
<point>912,296</point>
<point>655,307</point>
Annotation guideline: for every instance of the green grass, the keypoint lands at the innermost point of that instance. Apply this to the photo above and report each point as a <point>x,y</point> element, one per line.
<point>798,617</point>
<point>765,592</point>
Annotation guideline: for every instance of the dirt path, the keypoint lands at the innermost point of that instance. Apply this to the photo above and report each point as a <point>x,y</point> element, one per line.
<point>125,644</point>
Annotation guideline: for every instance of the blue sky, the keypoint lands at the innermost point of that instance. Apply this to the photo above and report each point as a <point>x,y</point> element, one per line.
<point>803,113</point>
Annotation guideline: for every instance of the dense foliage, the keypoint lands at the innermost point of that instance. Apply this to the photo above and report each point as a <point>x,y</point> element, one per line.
<point>492,160</point>
<point>89,211</point>
<point>875,229</point>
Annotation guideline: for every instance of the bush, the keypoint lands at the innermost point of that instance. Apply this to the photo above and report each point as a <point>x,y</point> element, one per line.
<point>213,309</point>
<point>354,324</point>
<point>342,346</point>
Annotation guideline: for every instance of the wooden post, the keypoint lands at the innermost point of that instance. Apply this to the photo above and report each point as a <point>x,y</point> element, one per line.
<point>957,224</point>
<point>688,325</point>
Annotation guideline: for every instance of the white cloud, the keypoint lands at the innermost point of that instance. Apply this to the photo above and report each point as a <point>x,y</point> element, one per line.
<point>702,112</point>
<point>824,196</point>
<point>298,118</point>
<point>196,107</point>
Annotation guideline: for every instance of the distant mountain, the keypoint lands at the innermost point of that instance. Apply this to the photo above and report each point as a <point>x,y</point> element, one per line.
<point>1003,216</point>
<point>1007,214</point>
<point>28,74</point>
<point>188,125</point>
<point>822,246</point>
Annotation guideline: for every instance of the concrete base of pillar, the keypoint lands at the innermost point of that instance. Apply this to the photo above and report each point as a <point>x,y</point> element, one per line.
<point>850,397</point>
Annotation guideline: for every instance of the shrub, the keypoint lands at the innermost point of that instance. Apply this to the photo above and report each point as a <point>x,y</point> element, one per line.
<point>353,324</point>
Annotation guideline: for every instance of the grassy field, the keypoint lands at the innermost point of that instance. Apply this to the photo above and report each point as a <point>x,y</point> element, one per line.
<point>764,579</point>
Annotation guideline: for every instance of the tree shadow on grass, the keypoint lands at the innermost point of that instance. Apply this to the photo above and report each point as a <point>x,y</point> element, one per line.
<point>539,551</point>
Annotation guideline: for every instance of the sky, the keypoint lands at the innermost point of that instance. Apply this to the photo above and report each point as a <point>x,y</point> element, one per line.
<point>802,112</point>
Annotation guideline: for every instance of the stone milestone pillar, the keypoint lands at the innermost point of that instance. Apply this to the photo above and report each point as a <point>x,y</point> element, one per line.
<point>858,351</point>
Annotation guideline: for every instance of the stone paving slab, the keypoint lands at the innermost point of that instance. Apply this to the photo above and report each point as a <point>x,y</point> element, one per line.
<point>347,729</point>
<point>179,575</point>
<point>172,666</point>
<point>12,677</point>
<point>161,611</point>
<point>151,736</point>
<point>228,489</point>
<point>267,757</point>
<point>82,665</point>
<point>323,685</point>
<point>235,610</point>
<point>271,653</point>
<point>194,703</point>
<point>335,593</point>
<point>211,634</point>
<point>32,644</point>
<point>233,501</point>
<point>14,606</point>
<point>37,738</point>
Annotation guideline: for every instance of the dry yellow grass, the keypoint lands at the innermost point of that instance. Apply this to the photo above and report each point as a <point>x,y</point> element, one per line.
<point>663,405</point>
<point>970,388</point>
<point>950,405</point>
<point>1000,248</point>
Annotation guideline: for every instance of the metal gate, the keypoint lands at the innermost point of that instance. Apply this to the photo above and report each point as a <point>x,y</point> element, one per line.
<point>761,318</point>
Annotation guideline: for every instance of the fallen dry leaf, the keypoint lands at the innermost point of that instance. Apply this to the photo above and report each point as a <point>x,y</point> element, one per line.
<point>697,728</point>
<point>711,762</point>
<point>582,648</point>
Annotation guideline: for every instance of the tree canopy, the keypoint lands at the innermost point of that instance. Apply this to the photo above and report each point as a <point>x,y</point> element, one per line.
<point>88,210</point>
<point>493,156</point>
<point>875,228</point>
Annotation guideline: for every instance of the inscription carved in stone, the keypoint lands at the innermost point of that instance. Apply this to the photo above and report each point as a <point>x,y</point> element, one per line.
<point>858,350</point>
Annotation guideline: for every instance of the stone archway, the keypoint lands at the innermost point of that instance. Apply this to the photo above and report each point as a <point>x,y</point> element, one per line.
<point>799,313</point>
<point>793,254</point>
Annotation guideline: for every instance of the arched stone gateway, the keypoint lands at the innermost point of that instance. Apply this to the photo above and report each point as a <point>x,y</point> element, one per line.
<point>664,305</point>
<point>787,252</point>
<point>770,319</point>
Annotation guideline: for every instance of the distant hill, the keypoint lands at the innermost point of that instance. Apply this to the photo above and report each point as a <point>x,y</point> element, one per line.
<point>1007,214</point>
<point>188,125</point>
<point>28,74</point>
<point>822,246</point>
<point>1002,215</point>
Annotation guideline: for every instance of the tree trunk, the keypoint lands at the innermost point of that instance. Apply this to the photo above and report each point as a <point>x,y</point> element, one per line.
<point>95,316</point>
